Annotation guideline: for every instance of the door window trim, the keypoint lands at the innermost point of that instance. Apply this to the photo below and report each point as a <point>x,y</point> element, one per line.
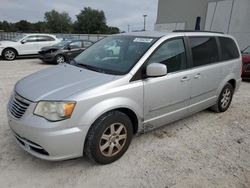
<point>140,74</point>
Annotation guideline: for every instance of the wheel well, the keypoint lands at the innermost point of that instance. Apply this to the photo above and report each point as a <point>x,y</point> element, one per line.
<point>9,48</point>
<point>233,83</point>
<point>133,117</point>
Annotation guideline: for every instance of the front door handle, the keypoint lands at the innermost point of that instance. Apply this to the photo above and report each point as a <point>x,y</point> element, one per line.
<point>197,76</point>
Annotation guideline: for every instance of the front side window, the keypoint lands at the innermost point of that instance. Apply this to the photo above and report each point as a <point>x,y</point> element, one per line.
<point>75,45</point>
<point>87,43</point>
<point>229,49</point>
<point>204,50</point>
<point>41,38</point>
<point>30,39</point>
<point>172,54</point>
<point>115,55</point>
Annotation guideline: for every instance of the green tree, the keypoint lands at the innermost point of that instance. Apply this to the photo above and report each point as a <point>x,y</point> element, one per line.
<point>23,26</point>
<point>39,27</point>
<point>6,26</point>
<point>112,30</point>
<point>58,22</point>
<point>90,21</point>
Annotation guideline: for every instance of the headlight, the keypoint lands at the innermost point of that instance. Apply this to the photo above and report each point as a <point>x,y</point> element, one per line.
<point>54,111</point>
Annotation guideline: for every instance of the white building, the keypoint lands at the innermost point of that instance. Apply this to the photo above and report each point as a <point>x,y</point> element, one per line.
<point>228,16</point>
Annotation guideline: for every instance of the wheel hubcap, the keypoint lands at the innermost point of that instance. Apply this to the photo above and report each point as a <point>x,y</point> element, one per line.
<point>60,59</point>
<point>226,97</point>
<point>9,55</point>
<point>113,139</point>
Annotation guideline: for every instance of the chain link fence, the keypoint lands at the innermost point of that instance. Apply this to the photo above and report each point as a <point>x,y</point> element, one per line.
<point>92,37</point>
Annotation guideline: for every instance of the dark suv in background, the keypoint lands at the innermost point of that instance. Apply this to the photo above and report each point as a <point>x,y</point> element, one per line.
<point>63,51</point>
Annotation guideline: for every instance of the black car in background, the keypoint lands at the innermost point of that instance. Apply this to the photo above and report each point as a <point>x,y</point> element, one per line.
<point>63,51</point>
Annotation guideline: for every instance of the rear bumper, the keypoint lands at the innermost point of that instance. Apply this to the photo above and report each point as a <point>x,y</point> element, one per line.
<point>245,75</point>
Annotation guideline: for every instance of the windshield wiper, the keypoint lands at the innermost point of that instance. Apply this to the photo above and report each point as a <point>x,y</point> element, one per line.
<point>90,67</point>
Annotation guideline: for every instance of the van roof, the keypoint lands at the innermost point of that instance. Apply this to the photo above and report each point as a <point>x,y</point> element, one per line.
<point>159,34</point>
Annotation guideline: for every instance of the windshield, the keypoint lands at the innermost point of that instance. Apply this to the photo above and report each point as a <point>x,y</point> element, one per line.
<point>115,55</point>
<point>62,43</point>
<point>247,50</point>
<point>19,37</point>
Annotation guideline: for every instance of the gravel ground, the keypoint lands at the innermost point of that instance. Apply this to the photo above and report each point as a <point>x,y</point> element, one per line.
<point>204,150</point>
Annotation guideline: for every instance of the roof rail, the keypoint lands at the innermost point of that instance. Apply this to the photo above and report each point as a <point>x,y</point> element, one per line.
<point>183,31</point>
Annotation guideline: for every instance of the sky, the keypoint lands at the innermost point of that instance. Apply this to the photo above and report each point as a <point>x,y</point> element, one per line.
<point>119,13</point>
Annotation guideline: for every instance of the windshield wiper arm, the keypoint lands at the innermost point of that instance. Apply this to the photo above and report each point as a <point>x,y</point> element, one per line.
<point>90,67</point>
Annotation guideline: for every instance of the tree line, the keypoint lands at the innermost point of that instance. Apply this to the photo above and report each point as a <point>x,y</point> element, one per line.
<point>88,21</point>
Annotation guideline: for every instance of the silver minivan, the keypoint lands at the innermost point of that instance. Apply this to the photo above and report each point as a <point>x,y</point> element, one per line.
<point>122,85</point>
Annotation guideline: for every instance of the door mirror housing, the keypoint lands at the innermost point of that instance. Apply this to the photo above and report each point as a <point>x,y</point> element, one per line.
<point>23,41</point>
<point>156,70</point>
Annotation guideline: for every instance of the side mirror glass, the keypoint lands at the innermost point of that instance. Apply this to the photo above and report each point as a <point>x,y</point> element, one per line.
<point>156,70</point>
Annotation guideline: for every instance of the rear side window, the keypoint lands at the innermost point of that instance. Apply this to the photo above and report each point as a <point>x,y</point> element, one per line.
<point>229,49</point>
<point>204,50</point>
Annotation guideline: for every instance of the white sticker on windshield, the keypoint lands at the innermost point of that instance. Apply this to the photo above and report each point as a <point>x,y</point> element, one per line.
<point>145,40</point>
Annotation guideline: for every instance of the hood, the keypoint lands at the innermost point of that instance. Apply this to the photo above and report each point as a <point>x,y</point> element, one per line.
<point>7,42</point>
<point>60,82</point>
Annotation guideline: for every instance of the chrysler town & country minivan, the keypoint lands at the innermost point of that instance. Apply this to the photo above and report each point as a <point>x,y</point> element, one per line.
<point>97,102</point>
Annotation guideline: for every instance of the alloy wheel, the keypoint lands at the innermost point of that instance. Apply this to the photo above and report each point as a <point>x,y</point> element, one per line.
<point>113,139</point>
<point>9,55</point>
<point>60,59</point>
<point>226,98</point>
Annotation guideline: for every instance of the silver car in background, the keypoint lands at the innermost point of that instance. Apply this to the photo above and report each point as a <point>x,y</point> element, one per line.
<point>122,85</point>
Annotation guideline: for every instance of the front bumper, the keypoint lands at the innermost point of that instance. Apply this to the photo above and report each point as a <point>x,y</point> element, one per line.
<point>52,141</point>
<point>47,57</point>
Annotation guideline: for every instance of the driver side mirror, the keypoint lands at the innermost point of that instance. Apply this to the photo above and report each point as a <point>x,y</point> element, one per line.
<point>23,41</point>
<point>69,48</point>
<point>156,70</point>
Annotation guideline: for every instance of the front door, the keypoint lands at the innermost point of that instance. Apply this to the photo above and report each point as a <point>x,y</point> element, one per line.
<point>166,98</point>
<point>75,48</point>
<point>28,46</point>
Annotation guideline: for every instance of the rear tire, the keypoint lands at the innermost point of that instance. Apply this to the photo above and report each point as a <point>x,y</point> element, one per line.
<point>225,99</point>
<point>9,54</point>
<point>109,137</point>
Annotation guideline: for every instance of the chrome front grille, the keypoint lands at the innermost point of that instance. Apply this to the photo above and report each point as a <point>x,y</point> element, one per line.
<point>18,105</point>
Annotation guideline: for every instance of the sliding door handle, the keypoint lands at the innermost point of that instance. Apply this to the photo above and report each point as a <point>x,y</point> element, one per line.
<point>197,76</point>
<point>184,79</point>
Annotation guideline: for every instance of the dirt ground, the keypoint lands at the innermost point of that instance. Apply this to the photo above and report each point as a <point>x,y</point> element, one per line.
<point>204,150</point>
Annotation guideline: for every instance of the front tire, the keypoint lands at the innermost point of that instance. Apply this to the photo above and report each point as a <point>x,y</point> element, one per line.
<point>9,54</point>
<point>225,99</point>
<point>109,137</point>
<point>60,59</point>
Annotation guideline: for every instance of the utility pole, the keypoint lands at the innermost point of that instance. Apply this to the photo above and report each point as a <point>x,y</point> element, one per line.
<point>128,28</point>
<point>144,22</point>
